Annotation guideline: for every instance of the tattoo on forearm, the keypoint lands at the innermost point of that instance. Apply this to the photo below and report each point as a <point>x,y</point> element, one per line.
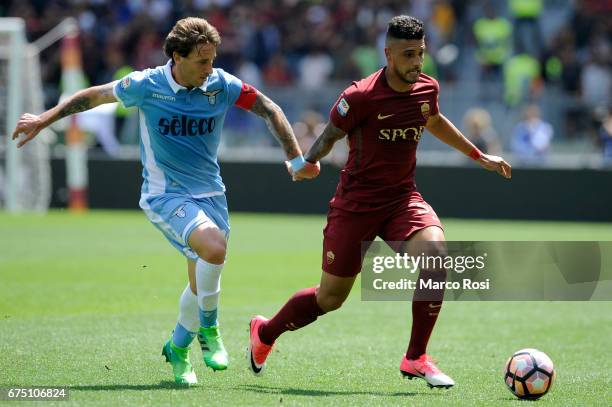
<point>106,91</point>
<point>76,105</point>
<point>277,123</point>
<point>324,143</point>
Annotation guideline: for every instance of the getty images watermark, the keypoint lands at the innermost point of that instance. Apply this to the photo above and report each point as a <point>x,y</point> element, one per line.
<point>509,271</point>
<point>413,264</point>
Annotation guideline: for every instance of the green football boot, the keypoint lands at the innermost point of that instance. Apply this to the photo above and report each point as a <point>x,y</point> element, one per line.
<point>179,359</point>
<point>213,351</point>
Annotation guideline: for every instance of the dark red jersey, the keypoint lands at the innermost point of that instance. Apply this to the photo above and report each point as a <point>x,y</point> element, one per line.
<point>384,128</point>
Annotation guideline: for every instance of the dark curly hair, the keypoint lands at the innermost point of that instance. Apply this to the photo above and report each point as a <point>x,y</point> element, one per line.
<point>405,28</point>
<point>189,32</point>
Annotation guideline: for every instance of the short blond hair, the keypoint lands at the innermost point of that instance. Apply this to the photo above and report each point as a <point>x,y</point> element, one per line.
<point>189,32</point>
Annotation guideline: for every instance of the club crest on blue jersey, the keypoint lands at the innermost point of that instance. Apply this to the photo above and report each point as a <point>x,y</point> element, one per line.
<point>179,212</point>
<point>212,95</point>
<point>343,107</point>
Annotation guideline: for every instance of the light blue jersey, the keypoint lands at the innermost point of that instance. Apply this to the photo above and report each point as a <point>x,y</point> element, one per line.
<point>180,131</point>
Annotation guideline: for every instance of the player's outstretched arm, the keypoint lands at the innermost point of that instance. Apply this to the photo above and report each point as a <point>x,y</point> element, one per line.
<point>30,124</point>
<point>324,143</point>
<point>281,129</point>
<point>278,124</point>
<point>444,130</point>
<point>319,149</point>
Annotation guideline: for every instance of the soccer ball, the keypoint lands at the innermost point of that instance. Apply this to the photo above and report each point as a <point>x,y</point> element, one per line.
<point>529,374</point>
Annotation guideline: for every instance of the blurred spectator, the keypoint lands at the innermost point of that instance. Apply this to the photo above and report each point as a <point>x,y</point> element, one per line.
<point>596,80</point>
<point>461,26</point>
<point>365,55</point>
<point>277,72</point>
<point>443,20</point>
<point>429,66</point>
<point>581,22</point>
<point>605,137</point>
<point>479,130</point>
<point>571,71</point>
<point>493,36</point>
<point>532,136</point>
<point>521,79</point>
<point>264,42</point>
<point>149,50</point>
<point>526,14</point>
<point>315,69</point>
<point>249,72</point>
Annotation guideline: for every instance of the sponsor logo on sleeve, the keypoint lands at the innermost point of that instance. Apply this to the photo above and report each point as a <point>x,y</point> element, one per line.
<point>125,82</point>
<point>343,107</point>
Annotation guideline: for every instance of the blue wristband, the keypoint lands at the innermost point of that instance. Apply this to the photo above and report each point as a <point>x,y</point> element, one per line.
<point>297,163</point>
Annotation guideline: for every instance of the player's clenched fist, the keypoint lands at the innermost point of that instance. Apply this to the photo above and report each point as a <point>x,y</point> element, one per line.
<point>303,169</point>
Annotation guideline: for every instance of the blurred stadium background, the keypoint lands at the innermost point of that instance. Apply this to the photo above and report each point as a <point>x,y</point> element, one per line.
<point>527,79</point>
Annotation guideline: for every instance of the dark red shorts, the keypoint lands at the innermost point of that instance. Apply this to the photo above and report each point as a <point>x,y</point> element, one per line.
<point>346,230</point>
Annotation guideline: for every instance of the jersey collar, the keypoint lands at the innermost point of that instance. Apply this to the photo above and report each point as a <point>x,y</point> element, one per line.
<point>173,84</point>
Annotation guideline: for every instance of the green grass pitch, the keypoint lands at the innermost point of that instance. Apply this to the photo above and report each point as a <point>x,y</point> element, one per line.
<point>87,302</point>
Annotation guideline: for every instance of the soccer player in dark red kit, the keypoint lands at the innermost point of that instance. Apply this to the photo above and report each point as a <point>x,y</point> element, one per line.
<point>384,116</point>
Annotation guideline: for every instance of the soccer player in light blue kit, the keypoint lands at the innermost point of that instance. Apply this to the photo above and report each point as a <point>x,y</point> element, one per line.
<point>182,107</point>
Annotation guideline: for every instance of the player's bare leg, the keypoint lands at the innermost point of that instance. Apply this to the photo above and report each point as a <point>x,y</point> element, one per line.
<point>333,291</point>
<point>426,306</point>
<point>303,308</point>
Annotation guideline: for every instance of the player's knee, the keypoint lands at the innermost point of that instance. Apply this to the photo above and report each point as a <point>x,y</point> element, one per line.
<point>215,252</point>
<point>329,303</point>
<point>437,249</point>
<point>211,247</point>
<point>435,271</point>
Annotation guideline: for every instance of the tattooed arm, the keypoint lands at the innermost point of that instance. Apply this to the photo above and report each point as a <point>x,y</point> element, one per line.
<point>319,149</point>
<point>324,143</point>
<point>277,123</point>
<point>30,125</point>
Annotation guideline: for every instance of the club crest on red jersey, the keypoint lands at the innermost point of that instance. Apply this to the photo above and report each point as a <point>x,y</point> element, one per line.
<point>425,110</point>
<point>330,257</point>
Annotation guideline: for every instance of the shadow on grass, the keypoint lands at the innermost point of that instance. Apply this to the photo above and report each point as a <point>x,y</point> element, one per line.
<point>515,399</point>
<point>312,392</point>
<point>164,385</point>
